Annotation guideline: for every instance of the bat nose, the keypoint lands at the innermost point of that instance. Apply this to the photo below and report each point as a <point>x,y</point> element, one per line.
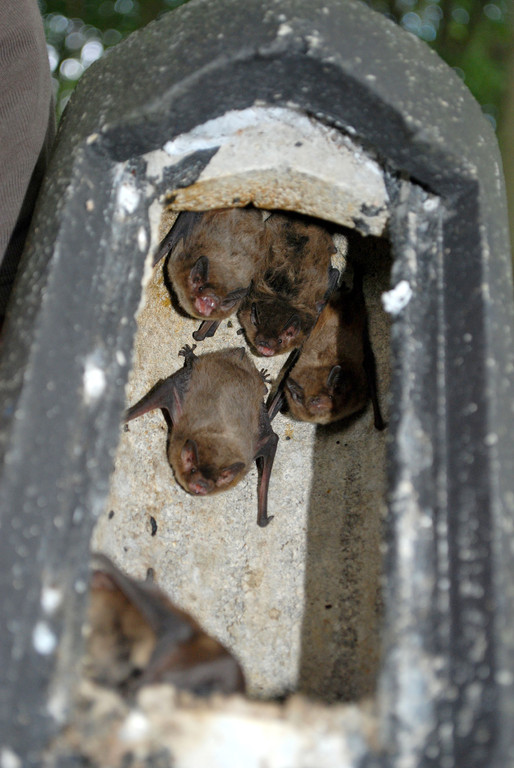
<point>264,347</point>
<point>200,486</point>
<point>320,403</point>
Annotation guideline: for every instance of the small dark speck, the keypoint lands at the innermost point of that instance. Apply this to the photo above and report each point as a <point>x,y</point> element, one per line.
<point>111,514</point>
<point>338,442</point>
<point>298,144</point>
<point>236,200</point>
<point>171,199</point>
<point>150,574</point>
<point>328,606</point>
<point>230,324</point>
<point>240,331</point>
<point>288,437</point>
<point>153,523</point>
<point>126,428</point>
<point>125,549</point>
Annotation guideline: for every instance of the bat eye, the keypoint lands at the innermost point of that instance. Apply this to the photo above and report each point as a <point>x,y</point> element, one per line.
<point>193,471</point>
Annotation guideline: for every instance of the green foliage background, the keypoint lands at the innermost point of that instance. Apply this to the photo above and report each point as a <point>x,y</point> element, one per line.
<point>473,36</point>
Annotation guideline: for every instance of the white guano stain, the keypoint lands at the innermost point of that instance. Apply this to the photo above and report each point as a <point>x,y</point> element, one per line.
<point>9,759</point>
<point>128,197</point>
<point>51,598</point>
<point>94,381</point>
<point>397,298</point>
<point>43,639</point>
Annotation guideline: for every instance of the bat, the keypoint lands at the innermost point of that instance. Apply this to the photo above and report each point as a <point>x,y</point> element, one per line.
<point>335,375</point>
<point>295,283</point>
<point>139,637</point>
<point>213,257</point>
<point>219,423</point>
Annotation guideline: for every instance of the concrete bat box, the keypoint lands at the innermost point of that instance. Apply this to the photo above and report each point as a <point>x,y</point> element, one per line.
<point>374,616</point>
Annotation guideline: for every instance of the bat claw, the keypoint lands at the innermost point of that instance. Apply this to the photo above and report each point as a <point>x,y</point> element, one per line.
<point>262,522</point>
<point>188,353</point>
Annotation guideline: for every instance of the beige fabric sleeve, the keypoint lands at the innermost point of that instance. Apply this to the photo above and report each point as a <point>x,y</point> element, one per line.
<point>27,127</point>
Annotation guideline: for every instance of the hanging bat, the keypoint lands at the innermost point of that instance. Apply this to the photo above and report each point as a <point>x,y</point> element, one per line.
<point>288,294</point>
<point>213,257</point>
<point>219,423</point>
<point>138,637</point>
<point>335,375</point>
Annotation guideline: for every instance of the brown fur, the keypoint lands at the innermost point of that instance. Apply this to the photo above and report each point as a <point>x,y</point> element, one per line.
<point>291,288</point>
<point>220,413</point>
<point>138,636</point>
<point>336,340</point>
<point>232,241</point>
<point>219,423</point>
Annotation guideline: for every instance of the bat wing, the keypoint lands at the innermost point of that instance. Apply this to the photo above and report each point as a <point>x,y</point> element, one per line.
<point>168,393</point>
<point>182,229</point>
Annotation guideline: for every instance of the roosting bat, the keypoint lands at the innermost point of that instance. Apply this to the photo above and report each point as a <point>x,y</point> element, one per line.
<point>335,375</point>
<point>293,287</point>
<point>138,637</point>
<point>213,259</point>
<point>219,422</point>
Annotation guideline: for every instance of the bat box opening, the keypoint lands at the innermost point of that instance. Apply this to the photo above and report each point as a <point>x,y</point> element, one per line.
<point>298,602</point>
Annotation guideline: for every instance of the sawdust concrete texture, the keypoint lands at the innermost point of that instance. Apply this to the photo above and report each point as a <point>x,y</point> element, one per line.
<point>298,602</point>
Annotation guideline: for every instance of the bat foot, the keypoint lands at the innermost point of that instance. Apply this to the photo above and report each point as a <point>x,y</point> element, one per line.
<point>265,375</point>
<point>188,353</point>
<point>262,522</point>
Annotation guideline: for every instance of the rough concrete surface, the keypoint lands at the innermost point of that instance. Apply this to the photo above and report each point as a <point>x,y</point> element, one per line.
<point>298,602</point>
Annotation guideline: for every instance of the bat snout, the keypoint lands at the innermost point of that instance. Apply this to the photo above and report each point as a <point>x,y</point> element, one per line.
<point>200,486</point>
<point>205,305</point>
<point>265,347</point>
<point>320,404</point>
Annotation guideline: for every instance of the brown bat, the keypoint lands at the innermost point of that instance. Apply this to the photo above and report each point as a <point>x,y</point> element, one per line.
<point>219,423</point>
<point>138,637</point>
<point>295,284</point>
<point>213,257</point>
<point>335,374</point>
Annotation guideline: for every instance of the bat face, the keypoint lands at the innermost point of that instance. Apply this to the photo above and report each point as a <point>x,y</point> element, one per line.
<point>272,326</point>
<point>325,394</point>
<point>214,256</point>
<point>197,473</point>
<point>207,296</point>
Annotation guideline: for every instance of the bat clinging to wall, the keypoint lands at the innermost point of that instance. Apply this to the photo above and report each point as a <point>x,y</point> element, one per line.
<point>213,257</point>
<point>138,637</point>
<point>335,374</point>
<point>219,423</point>
<point>293,286</point>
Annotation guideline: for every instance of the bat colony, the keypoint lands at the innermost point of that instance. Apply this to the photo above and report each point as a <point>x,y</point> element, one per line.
<point>277,275</point>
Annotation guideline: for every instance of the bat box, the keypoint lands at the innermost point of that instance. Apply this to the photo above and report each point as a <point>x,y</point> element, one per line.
<point>374,616</point>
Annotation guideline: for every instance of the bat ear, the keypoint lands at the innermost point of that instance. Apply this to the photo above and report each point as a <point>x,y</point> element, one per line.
<point>200,271</point>
<point>291,328</point>
<point>333,376</point>
<point>189,455</point>
<point>253,314</point>
<point>295,390</point>
<point>228,473</point>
